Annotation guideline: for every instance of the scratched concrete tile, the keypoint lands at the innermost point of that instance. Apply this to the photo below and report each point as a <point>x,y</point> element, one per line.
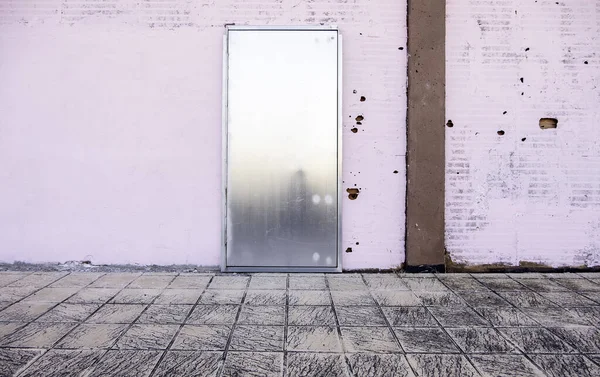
<point>360,316</point>
<point>425,340</point>
<point>440,299</point>
<point>526,299</point>
<point>463,283</point>
<point>202,338</point>
<point>37,335</point>
<point>126,364</point>
<point>12,294</point>
<point>309,298</point>
<point>190,363</point>
<point>483,298</point>
<point>14,360</point>
<point>313,338</point>
<point>369,339</point>
<point>63,363</point>
<point>229,282</point>
<point>425,285</point>
<point>311,315</point>
<point>393,298</point>
<point>346,284</point>
<point>591,315</point>
<point>594,296</point>
<point>6,279</point>
<point>374,365</point>
<point>480,340</point>
<point>265,297</point>
<point>541,285</point>
<point>135,296</point>
<point>190,282</point>
<point>436,365</point>
<point>93,336</point>
<point>268,282</point>
<point>253,364</point>
<point>561,275</point>
<point>566,366</point>
<point>120,280</point>
<point>316,364</point>
<point>501,284</point>
<point>411,316</point>
<point>24,311</point>
<point>93,295</point>
<point>307,282</point>
<point>166,314</point>
<point>178,296</point>
<point>221,297</point>
<point>568,299</point>
<point>55,295</point>
<point>584,338</point>
<point>262,315</point>
<point>214,314</point>
<point>75,279</point>
<point>38,280</point>
<point>555,317</point>
<point>505,366</point>
<point>507,317</point>
<point>7,328</point>
<point>147,337</point>
<point>117,313</point>
<point>151,282</point>
<point>579,284</point>
<point>457,316</point>
<point>69,313</point>
<point>5,304</point>
<point>257,338</point>
<point>536,340</point>
<point>385,282</point>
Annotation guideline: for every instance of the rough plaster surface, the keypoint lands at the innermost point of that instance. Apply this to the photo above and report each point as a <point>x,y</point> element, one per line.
<point>110,127</point>
<point>531,194</point>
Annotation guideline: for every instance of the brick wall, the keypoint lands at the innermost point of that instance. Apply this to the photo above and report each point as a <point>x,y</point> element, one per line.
<point>516,192</point>
<point>110,126</point>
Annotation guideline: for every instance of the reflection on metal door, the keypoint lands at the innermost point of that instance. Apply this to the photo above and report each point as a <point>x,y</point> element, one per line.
<point>282,149</point>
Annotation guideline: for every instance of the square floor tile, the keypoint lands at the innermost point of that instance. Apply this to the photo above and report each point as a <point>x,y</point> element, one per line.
<point>425,285</point>
<point>313,338</point>
<point>568,299</point>
<point>309,298</point>
<point>147,337</point>
<point>527,299</point>
<point>347,284</point>
<point>386,283</point>
<point>440,299</point>
<point>483,298</point>
<point>136,296</point>
<point>37,335</point>
<point>265,297</point>
<point>480,340</point>
<point>190,363</point>
<point>55,295</point>
<point>221,297</point>
<point>38,279</point>
<point>178,296</point>
<point>457,316</point>
<point>505,366</point>
<point>16,293</point>
<point>566,366</point>
<point>63,363</point>
<point>463,283</point>
<point>117,313</point>
<point>425,340</point>
<point>190,282</point>
<point>202,338</point>
<point>268,282</point>
<point>369,339</point>
<point>262,315</point>
<point>441,365</point>
<point>411,316</point>
<point>93,336</point>
<point>69,313</point>
<point>152,281</point>
<point>76,280</point>
<point>214,314</point>
<point>506,317</point>
<point>536,340</point>
<point>126,364</point>
<point>311,315</point>
<point>374,365</point>
<point>502,284</point>
<point>579,284</point>
<point>316,364</point>
<point>586,339</point>
<point>360,316</point>
<point>555,317</point>
<point>253,364</point>
<point>541,285</point>
<point>13,360</point>
<point>393,298</point>
<point>307,282</point>
<point>257,338</point>
<point>93,295</point>
<point>591,315</point>
<point>229,282</point>
<point>114,280</point>
<point>24,311</point>
<point>7,328</point>
<point>165,314</point>
<point>345,298</point>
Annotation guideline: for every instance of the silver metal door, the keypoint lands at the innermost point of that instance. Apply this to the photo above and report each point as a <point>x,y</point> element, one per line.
<point>282,149</point>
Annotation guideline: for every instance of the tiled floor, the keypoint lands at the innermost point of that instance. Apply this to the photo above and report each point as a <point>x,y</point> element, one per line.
<point>313,325</point>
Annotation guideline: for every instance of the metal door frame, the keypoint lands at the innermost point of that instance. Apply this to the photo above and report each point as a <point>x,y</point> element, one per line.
<point>225,153</point>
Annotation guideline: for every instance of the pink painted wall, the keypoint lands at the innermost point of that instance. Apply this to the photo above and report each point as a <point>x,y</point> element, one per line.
<point>110,127</point>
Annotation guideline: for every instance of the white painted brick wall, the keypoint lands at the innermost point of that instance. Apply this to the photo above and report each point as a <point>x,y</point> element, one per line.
<point>110,117</point>
<point>531,195</point>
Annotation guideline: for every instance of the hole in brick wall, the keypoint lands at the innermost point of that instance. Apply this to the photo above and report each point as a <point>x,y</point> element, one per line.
<point>501,133</point>
<point>523,139</point>
<point>357,243</point>
<point>450,124</point>
<point>354,91</point>
<point>360,118</point>
<point>354,130</point>
<point>349,250</point>
<point>359,123</point>
<point>400,48</point>
<point>546,123</point>
<point>352,193</point>
<point>585,62</point>
<point>527,49</point>
<point>363,98</point>
<point>504,113</point>
<point>395,171</point>
<point>522,79</point>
